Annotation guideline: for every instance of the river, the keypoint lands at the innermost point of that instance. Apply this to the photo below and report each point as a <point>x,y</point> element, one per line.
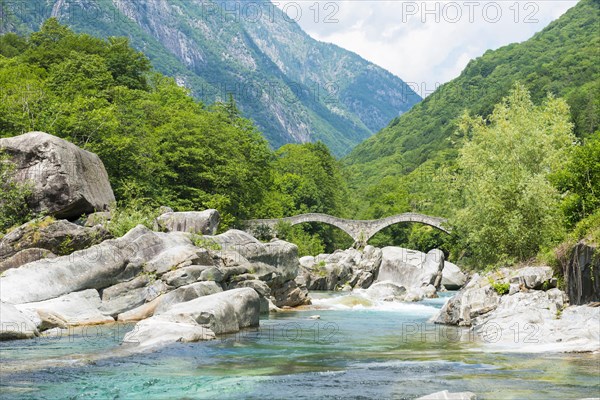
<point>356,350</point>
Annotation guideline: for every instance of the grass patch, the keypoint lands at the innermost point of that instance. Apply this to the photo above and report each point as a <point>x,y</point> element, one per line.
<point>205,243</point>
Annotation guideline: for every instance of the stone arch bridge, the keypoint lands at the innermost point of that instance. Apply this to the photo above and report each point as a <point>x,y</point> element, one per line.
<point>360,230</point>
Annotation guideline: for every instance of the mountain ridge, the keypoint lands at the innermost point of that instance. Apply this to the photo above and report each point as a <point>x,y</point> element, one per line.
<point>295,88</point>
<point>560,59</point>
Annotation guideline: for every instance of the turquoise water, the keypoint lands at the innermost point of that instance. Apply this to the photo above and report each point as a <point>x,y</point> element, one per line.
<point>353,351</point>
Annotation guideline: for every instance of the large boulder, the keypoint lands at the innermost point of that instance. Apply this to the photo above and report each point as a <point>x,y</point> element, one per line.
<point>97,267</point>
<point>165,300</point>
<point>582,274</point>
<point>536,321</point>
<point>411,268</point>
<point>193,273</point>
<point>386,291</point>
<point>275,261</point>
<point>199,222</point>
<point>66,180</point>
<point>519,310</point>
<point>290,294</point>
<point>58,237</point>
<point>199,319</point>
<point>127,295</point>
<point>14,324</point>
<point>476,298</point>
<point>344,269</point>
<point>533,277</point>
<point>452,277</point>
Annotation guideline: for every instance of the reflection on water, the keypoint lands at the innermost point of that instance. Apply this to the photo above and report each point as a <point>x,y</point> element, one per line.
<point>357,349</point>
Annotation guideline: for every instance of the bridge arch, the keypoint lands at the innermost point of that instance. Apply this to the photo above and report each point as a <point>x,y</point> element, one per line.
<point>360,230</point>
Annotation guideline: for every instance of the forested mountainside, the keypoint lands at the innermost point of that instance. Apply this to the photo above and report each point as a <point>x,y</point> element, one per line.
<point>514,180</point>
<point>160,146</point>
<point>293,87</point>
<point>562,60</point>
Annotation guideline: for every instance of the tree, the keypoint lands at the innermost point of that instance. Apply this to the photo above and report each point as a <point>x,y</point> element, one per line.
<point>307,179</point>
<point>510,207</point>
<point>580,181</point>
<point>159,144</point>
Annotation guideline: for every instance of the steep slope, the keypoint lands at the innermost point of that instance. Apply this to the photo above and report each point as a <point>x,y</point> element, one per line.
<point>295,88</point>
<point>563,59</point>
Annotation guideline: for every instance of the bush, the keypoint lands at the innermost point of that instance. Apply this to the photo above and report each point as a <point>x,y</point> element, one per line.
<point>501,288</point>
<point>13,197</point>
<point>205,243</point>
<point>308,245</point>
<point>127,217</point>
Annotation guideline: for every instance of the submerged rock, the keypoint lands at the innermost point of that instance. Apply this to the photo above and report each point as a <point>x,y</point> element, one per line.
<point>66,180</point>
<point>386,291</point>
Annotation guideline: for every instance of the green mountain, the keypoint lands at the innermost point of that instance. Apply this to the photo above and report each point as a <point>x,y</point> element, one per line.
<point>563,59</point>
<point>295,88</point>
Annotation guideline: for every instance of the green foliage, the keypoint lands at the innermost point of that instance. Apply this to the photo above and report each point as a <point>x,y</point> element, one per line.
<point>500,287</point>
<point>263,232</point>
<point>418,147</point>
<point>325,94</point>
<point>580,181</point>
<point>127,217</point>
<point>66,246</point>
<point>510,207</point>
<point>589,228</point>
<point>320,269</point>
<point>306,178</point>
<point>155,140</point>
<point>13,196</point>
<point>308,244</point>
<point>205,243</point>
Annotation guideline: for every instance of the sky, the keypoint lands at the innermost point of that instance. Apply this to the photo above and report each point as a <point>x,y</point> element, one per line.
<point>425,43</point>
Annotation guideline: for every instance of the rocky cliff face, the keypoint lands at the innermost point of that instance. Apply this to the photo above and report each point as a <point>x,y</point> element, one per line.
<point>295,88</point>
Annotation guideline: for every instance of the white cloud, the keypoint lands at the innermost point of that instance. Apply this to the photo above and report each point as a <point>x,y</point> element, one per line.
<point>426,42</point>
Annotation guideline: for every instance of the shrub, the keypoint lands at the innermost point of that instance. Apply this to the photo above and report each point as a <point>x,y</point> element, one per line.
<point>205,243</point>
<point>14,209</point>
<point>501,288</point>
<point>127,217</point>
